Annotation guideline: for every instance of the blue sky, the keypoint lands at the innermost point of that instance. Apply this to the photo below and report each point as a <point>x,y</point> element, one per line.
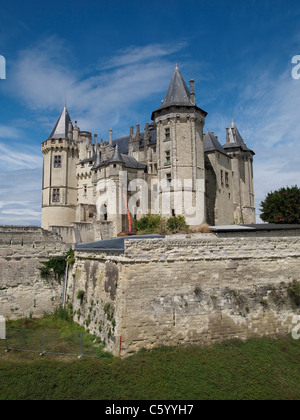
<point>113,61</point>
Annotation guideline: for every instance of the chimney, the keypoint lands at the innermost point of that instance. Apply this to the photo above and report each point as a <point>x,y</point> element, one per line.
<point>76,132</point>
<point>95,141</point>
<point>227,135</point>
<point>192,94</point>
<point>110,136</point>
<point>70,131</point>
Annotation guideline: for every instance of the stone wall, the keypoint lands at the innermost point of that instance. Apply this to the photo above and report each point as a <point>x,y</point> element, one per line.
<point>186,289</point>
<point>22,291</point>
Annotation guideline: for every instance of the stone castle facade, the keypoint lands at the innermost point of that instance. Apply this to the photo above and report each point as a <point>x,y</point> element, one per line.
<point>186,172</point>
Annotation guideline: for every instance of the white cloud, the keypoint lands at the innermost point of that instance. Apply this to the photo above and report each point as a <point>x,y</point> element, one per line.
<point>8,132</point>
<point>106,96</point>
<point>266,109</point>
<point>19,156</point>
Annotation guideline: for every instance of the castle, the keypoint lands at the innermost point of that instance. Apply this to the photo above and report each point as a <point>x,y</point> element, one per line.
<point>171,168</point>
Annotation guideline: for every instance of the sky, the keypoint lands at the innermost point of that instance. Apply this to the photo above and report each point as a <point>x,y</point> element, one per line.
<point>112,61</point>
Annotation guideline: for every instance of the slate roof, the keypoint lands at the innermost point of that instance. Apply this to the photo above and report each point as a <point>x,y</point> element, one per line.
<point>211,143</point>
<point>177,94</point>
<point>234,139</point>
<point>115,244</point>
<point>128,161</point>
<point>60,131</point>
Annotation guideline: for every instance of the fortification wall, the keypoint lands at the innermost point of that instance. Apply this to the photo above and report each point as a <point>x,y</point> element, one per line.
<point>22,291</point>
<point>186,290</point>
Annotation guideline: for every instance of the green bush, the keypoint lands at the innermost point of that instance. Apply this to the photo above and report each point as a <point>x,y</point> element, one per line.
<point>282,206</point>
<point>55,266</point>
<point>149,223</point>
<point>177,224</point>
<point>158,224</point>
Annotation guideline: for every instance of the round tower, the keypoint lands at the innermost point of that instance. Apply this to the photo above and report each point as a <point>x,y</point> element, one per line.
<point>181,169</point>
<point>59,189</point>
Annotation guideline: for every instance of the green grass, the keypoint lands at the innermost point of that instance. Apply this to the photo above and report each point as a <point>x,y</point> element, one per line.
<point>259,369</point>
<point>62,335</point>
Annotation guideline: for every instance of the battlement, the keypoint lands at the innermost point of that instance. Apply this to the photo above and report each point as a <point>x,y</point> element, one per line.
<point>59,144</point>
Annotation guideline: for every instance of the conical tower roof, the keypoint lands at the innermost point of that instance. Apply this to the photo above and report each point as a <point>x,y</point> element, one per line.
<point>60,131</point>
<point>178,92</point>
<point>116,158</point>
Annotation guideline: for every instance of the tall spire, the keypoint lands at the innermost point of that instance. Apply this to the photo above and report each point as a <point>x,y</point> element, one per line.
<point>61,127</point>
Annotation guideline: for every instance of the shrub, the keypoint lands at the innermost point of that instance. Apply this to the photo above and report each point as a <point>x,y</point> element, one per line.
<point>148,223</point>
<point>177,224</point>
<point>55,266</point>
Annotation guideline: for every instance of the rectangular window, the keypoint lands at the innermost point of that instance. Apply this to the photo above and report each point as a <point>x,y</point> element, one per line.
<point>167,134</point>
<point>168,158</point>
<point>222,178</point>
<point>169,179</point>
<point>226,179</point>
<point>56,195</point>
<point>57,161</point>
<point>85,189</point>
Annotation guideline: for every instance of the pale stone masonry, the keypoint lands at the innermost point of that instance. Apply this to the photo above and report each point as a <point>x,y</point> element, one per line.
<point>22,291</point>
<point>173,290</point>
<point>196,289</point>
<point>172,153</point>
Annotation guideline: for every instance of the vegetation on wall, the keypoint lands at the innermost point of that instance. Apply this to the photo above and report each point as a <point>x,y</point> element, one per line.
<point>294,293</point>
<point>56,266</point>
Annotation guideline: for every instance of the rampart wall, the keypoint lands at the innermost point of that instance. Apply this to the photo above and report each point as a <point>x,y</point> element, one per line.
<point>22,291</point>
<point>196,289</point>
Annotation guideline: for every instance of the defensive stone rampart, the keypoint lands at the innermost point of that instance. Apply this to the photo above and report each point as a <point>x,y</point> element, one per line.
<point>195,289</point>
<point>22,291</point>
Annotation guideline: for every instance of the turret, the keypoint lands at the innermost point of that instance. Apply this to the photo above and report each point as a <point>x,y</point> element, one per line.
<point>179,126</point>
<point>242,168</point>
<point>59,190</point>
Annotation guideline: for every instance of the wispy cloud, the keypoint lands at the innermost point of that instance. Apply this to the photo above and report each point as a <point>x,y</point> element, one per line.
<point>19,156</point>
<point>107,95</point>
<point>104,96</point>
<point>20,196</point>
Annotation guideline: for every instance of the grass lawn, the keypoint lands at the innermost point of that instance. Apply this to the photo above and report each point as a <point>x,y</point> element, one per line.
<point>258,369</point>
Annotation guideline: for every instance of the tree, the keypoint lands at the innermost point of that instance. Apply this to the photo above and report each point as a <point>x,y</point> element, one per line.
<point>282,206</point>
